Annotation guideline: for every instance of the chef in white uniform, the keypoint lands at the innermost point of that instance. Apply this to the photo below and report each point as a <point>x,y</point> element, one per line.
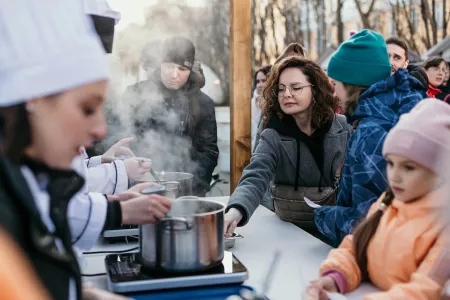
<point>107,176</point>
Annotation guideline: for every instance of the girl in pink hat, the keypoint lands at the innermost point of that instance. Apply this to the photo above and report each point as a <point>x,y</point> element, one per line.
<point>403,245</point>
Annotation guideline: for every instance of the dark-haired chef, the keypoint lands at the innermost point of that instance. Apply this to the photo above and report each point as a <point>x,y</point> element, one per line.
<point>91,210</point>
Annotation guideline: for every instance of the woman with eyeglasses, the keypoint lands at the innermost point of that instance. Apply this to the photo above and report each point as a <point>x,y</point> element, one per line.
<point>435,67</point>
<point>301,149</point>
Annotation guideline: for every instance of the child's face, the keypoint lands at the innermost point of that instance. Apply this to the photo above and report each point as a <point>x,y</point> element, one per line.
<point>408,179</point>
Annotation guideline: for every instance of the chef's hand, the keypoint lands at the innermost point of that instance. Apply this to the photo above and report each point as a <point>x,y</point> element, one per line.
<point>317,289</point>
<point>118,149</point>
<point>132,192</point>
<point>232,219</point>
<point>137,166</point>
<point>138,188</point>
<point>145,209</point>
<point>91,293</point>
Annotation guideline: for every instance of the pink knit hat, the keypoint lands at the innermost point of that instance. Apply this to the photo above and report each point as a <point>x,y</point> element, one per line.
<point>423,135</point>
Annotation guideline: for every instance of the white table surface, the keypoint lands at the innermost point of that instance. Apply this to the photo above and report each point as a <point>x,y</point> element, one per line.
<point>301,256</point>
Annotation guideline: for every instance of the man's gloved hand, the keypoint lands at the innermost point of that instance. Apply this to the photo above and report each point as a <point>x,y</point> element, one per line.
<point>117,150</point>
<point>132,192</point>
<point>137,166</point>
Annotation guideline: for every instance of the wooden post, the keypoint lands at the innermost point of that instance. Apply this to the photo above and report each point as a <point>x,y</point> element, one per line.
<point>241,87</point>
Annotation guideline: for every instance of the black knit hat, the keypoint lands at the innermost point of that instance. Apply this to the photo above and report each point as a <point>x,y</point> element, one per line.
<point>105,30</point>
<point>179,50</point>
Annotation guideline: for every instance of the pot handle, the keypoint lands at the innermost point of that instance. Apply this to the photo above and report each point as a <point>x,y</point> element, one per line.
<point>164,222</point>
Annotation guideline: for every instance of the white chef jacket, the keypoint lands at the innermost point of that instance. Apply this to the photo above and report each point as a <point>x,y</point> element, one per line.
<point>41,198</point>
<point>87,210</point>
<point>109,179</point>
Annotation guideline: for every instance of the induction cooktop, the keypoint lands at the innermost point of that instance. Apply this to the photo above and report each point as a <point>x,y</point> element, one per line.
<point>125,274</point>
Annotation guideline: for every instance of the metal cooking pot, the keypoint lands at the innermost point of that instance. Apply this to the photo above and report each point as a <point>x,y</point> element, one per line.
<point>167,179</point>
<point>189,239</point>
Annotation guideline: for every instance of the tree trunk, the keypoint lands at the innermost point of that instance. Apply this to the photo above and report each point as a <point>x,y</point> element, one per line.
<point>271,17</point>
<point>445,19</point>
<point>395,10</point>
<point>263,36</point>
<point>308,25</point>
<point>292,24</point>
<point>318,25</point>
<point>324,25</point>
<point>287,22</point>
<point>433,22</point>
<point>365,16</point>
<point>396,13</point>
<point>255,62</point>
<point>425,11</point>
<point>321,38</point>
<point>339,23</point>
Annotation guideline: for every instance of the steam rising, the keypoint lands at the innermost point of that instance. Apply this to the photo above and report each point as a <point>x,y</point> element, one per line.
<point>124,111</point>
<point>138,41</point>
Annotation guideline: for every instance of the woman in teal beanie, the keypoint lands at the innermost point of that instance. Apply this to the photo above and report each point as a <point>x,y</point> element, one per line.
<point>373,101</point>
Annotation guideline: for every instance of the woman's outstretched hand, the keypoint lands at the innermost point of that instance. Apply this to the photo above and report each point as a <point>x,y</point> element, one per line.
<point>232,219</point>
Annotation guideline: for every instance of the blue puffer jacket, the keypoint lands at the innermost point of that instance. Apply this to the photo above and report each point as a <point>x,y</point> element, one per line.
<point>364,173</point>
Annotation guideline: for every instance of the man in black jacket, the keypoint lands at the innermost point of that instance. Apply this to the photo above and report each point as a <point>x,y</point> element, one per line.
<point>174,120</point>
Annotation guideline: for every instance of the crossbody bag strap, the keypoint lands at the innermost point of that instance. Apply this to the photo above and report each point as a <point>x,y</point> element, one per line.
<point>337,176</point>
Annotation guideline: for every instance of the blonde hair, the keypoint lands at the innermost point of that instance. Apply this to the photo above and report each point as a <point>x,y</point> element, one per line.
<point>353,93</point>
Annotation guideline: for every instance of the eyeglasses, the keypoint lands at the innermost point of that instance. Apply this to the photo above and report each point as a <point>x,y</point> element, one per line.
<point>438,70</point>
<point>294,89</point>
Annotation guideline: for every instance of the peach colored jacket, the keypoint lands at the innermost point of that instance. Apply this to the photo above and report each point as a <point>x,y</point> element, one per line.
<point>18,281</point>
<point>408,256</point>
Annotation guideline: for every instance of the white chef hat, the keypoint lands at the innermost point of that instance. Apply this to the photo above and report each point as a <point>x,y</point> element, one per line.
<point>47,46</point>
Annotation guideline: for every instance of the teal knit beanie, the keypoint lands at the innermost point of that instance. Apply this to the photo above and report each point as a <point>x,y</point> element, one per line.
<point>361,60</point>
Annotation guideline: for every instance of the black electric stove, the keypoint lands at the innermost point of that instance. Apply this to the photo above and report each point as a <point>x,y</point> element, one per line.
<point>125,274</point>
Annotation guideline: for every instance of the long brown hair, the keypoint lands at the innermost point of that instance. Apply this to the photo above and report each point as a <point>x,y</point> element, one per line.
<point>353,93</point>
<point>365,231</point>
<point>325,103</point>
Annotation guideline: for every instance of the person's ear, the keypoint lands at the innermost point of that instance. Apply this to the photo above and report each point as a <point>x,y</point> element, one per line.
<point>406,64</point>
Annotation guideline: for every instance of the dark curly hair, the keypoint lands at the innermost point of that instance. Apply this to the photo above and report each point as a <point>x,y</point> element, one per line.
<point>325,106</point>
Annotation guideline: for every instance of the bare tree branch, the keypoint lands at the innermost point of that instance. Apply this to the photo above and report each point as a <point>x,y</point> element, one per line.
<point>445,20</point>
<point>271,16</point>
<point>433,22</point>
<point>339,23</point>
<point>365,16</point>
<point>425,11</point>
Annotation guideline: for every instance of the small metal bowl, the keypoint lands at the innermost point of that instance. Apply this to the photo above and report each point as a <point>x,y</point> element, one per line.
<point>230,241</point>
